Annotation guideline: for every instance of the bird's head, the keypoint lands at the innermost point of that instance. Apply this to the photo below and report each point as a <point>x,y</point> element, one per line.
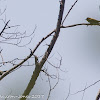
<point>88,18</point>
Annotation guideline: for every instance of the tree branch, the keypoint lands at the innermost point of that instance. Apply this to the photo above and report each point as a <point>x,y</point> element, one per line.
<point>98,95</point>
<point>69,11</point>
<point>47,53</point>
<point>29,56</point>
<point>4,28</point>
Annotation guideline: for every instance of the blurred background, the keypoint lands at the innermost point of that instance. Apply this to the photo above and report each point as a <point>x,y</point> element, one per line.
<point>78,46</point>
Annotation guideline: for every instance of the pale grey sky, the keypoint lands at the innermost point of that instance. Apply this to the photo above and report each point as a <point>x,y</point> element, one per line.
<point>78,46</point>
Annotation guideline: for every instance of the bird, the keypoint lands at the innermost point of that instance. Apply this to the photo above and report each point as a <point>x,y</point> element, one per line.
<point>1,72</point>
<point>93,21</point>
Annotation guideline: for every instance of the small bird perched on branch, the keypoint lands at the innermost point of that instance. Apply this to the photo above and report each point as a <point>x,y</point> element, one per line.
<point>93,21</point>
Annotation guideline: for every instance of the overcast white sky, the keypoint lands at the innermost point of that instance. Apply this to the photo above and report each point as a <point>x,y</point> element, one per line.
<point>78,46</point>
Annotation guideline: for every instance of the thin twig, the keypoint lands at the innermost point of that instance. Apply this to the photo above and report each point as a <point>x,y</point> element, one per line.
<point>52,88</point>
<point>83,93</point>
<point>87,87</point>
<point>4,27</point>
<point>68,92</point>
<point>69,11</point>
<point>81,24</point>
<point>29,56</point>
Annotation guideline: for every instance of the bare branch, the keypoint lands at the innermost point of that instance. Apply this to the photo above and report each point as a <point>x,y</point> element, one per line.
<point>87,87</point>
<point>51,76</point>
<point>53,41</point>
<point>98,95</point>
<point>4,27</point>
<point>28,57</point>
<point>83,93</point>
<point>52,88</point>
<point>81,24</point>
<point>2,12</point>
<point>68,92</point>
<point>69,11</point>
